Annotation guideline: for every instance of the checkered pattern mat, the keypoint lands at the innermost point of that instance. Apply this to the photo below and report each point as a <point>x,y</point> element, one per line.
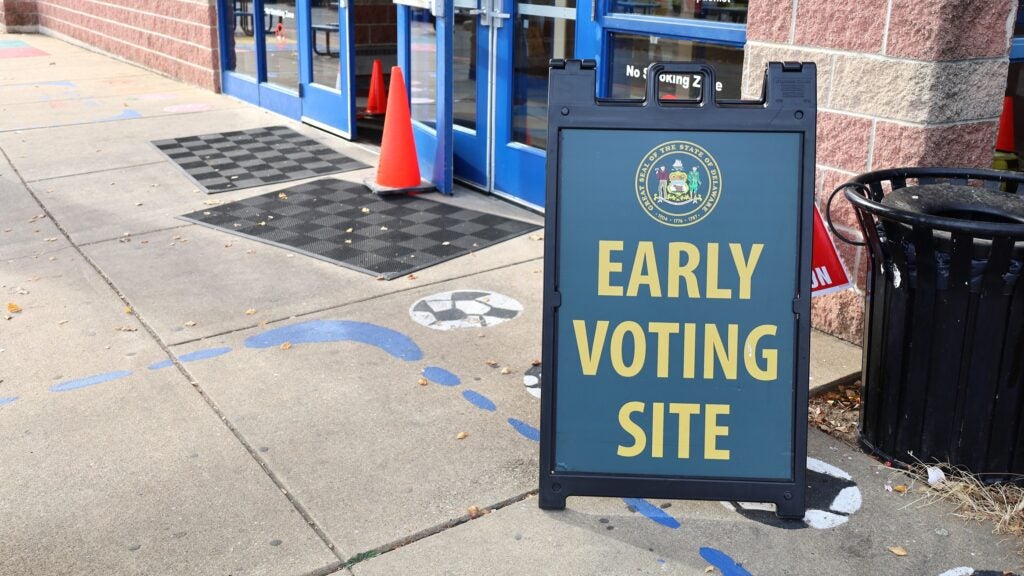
<point>342,222</point>
<point>247,158</point>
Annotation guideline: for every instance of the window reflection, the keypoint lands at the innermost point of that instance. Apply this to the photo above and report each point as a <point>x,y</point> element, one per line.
<point>282,54</point>
<point>716,10</point>
<point>631,54</point>
<point>538,39</point>
<point>423,67</point>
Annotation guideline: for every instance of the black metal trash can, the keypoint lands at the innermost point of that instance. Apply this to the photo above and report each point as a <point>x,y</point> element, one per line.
<point>943,371</point>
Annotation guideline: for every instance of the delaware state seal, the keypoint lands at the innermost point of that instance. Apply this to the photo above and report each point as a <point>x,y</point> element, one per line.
<point>678,183</point>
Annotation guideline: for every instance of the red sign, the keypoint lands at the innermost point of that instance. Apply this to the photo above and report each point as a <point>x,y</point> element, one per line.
<point>827,271</point>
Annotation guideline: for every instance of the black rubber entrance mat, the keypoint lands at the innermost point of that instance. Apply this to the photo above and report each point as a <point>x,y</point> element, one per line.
<point>247,158</point>
<point>342,222</point>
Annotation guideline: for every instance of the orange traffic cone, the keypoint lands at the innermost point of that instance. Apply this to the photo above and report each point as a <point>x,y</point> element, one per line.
<point>398,170</point>
<point>1005,137</point>
<point>377,102</point>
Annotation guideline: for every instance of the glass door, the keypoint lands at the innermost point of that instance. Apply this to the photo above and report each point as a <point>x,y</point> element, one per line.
<point>326,66</point>
<point>501,54</point>
<point>276,32</point>
<point>294,57</point>
<point>534,32</point>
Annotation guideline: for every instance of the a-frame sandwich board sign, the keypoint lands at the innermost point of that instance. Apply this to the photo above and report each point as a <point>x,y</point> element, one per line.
<point>677,289</point>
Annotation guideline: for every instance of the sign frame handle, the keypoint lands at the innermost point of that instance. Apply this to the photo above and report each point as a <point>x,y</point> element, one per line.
<point>656,69</point>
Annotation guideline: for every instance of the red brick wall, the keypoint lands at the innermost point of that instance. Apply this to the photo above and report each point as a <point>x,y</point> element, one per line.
<point>18,15</point>
<point>175,37</point>
<point>375,22</point>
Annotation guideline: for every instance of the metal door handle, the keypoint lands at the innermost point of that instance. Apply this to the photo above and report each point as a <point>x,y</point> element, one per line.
<point>497,13</point>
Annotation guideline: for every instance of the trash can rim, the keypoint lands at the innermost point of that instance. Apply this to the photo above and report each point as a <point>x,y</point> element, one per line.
<point>938,172</point>
<point>974,228</point>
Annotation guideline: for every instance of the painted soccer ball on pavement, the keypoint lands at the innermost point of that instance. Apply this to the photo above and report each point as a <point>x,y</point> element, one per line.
<point>464,309</point>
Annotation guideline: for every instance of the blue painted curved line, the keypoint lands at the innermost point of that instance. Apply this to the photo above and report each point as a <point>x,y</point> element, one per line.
<point>723,562</point>
<point>193,357</point>
<point>7,400</point>
<point>314,331</point>
<point>528,432</point>
<point>479,400</point>
<point>441,376</point>
<point>652,512</point>
<point>89,381</point>
<point>126,114</point>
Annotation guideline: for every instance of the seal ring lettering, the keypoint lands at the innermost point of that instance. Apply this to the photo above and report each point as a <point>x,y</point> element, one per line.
<point>678,183</point>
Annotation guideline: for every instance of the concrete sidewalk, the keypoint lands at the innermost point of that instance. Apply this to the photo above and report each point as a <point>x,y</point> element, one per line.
<point>154,424</point>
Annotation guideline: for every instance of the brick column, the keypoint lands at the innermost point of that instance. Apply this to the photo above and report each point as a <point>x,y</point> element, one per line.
<point>18,16</point>
<point>900,83</point>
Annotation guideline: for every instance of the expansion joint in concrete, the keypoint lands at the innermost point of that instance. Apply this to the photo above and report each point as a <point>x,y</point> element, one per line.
<point>354,302</point>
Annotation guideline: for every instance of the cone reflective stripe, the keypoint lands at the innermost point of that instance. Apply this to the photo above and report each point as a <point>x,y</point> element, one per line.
<point>1005,138</point>
<point>398,169</point>
<point>377,101</point>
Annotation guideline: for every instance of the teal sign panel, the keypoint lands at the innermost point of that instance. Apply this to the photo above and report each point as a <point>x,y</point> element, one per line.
<point>680,315</point>
<point>676,327</point>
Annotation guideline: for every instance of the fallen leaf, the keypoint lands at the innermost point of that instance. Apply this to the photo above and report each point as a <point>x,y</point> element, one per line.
<point>286,345</point>
<point>127,309</point>
<point>126,329</point>
<point>473,511</point>
<point>212,202</point>
<point>898,550</point>
<point>250,311</point>
<point>366,210</point>
<point>13,308</point>
<point>900,488</point>
<point>491,363</point>
<point>411,276</point>
<point>462,435</point>
<point>383,228</point>
<point>535,362</point>
<point>190,323</point>
<point>506,370</point>
<point>422,382</point>
<point>536,236</point>
<point>282,195</point>
<point>709,569</point>
<point>348,231</point>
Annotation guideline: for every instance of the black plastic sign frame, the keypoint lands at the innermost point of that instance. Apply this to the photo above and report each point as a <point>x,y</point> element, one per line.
<point>677,289</point>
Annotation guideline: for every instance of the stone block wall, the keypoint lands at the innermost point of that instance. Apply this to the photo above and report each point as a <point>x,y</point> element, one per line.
<point>900,83</point>
<point>175,37</point>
